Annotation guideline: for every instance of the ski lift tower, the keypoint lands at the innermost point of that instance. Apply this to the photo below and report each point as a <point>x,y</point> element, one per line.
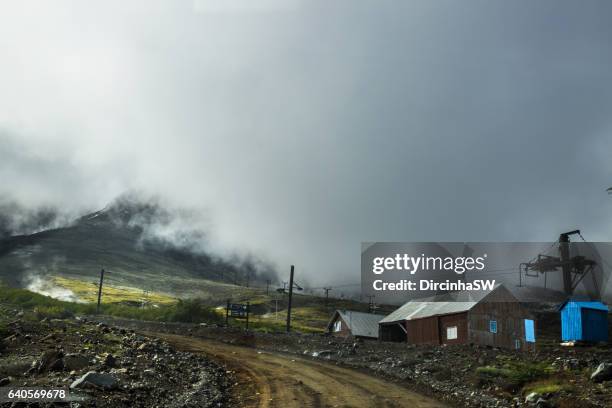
<point>574,269</point>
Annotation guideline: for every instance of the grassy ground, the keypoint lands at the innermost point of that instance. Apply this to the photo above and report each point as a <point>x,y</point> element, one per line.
<point>88,292</point>
<point>44,306</point>
<point>310,314</point>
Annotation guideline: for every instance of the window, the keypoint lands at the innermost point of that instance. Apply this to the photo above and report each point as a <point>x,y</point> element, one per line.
<point>451,333</point>
<point>337,325</point>
<point>493,326</point>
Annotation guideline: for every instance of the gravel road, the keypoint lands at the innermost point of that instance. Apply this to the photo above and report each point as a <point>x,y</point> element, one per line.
<point>275,380</point>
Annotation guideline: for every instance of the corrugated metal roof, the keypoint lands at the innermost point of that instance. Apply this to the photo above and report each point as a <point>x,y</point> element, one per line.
<point>418,309</point>
<point>448,303</point>
<point>587,305</point>
<point>361,324</point>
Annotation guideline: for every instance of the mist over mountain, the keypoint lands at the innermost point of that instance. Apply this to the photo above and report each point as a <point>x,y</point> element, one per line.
<point>17,220</point>
<point>134,237</point>
<point>409,122</point>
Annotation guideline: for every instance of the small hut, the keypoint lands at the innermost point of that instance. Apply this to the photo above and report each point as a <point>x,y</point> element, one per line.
<point>345,323</point>
<point>584,321</point>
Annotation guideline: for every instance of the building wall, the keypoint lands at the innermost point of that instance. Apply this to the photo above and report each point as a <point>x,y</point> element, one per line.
<point>392,332</point>
<point>571,322</point>
<point>594,325</point>
<point>458,320</point>
<point>433,329</point>
<point>344,329</point>
<point>510,321</point>
<point>423,331</point>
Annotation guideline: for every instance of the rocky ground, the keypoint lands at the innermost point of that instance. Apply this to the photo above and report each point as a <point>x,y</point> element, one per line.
<point>104,365</point>
<point>111,363</point>
<point>463,376</point>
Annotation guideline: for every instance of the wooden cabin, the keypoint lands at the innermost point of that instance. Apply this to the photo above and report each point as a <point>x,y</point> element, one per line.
<point>345,323</point>
<point>496,319</point>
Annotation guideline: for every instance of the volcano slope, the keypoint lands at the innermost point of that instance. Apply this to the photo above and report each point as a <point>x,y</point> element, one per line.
<point>130,239</point>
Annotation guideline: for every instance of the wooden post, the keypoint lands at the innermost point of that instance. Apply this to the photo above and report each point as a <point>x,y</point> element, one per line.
<point>227,313</point>
<point>100,290</point>
<point>247,316</point>
<point>290,298</point>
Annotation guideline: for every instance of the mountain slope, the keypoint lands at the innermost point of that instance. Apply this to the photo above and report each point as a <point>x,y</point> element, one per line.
<point>120,240</point>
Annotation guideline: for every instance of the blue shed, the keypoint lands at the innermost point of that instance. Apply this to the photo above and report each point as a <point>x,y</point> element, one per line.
<point>584,321</point>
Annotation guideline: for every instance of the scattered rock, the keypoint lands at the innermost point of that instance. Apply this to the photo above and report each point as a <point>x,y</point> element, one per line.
<point>110,361</point>
<point>602,373</point>
<point>144,347</point>
<point>4,382</point>
<point>50,361</point>
<point>75,362</point>
<point>322,353</point>
<point>57,365</point>
<point>96,380</point>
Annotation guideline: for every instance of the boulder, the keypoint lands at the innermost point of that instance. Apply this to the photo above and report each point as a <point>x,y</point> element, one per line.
<point>603,372</point>
<point>110,361</point>
<point>75,361</point>
<point>532,397</point>
<point>50,360</point>
<point>96,380</point>
<point>57,365</point>
<point>323,353</point>
<point>542,403</point>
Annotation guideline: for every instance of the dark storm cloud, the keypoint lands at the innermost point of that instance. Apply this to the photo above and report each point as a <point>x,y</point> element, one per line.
<point>308,127</point>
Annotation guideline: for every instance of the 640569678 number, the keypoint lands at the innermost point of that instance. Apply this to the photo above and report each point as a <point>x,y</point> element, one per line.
<point>9,394</point>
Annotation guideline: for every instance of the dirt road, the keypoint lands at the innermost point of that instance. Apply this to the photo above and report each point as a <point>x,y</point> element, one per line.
<point>267,380</point>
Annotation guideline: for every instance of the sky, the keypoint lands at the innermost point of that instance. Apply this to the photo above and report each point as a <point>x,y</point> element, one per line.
<point>300,129</point>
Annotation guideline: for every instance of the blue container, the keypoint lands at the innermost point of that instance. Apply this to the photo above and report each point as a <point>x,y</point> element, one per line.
<point>584,321</point>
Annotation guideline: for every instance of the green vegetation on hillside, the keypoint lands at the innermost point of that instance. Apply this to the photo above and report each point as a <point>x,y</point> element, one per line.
<point>192,311</point>
<point>310,314</point>
<point>88,292</point>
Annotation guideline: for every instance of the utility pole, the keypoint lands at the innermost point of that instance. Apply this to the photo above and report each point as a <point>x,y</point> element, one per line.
<point>326,295</point>
<point>248,306</point>
<point>268,282</point>
<point>371,306</point>
<point>100,290</point>
<point>276,310</point>
<point>565,261</point>
<point>227,308</point>
<point>290,298</point>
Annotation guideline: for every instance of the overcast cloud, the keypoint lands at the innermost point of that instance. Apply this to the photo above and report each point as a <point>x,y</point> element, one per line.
<point>302,129</point>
